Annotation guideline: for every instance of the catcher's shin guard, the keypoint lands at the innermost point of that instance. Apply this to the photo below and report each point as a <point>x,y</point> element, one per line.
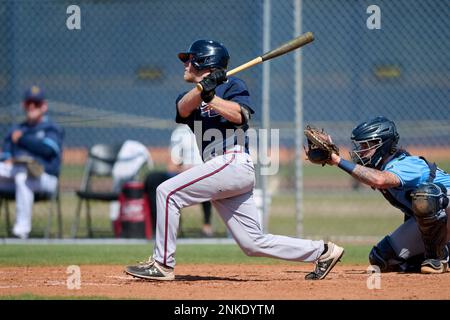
<point>428,203</point>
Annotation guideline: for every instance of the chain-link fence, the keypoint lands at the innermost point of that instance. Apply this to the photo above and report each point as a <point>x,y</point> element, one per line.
<point>117,77</point>
<point>121,71</point>
<point>400,71</point>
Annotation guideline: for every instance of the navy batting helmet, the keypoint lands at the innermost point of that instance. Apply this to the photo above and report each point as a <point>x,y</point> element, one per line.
<point>373,140</point>
<point>206,54</point>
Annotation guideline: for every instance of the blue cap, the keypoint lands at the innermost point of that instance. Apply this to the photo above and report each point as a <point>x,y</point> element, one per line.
<point>34,93</point>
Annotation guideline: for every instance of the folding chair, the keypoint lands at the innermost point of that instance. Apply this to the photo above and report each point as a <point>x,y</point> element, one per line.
<point>54,206</point>
<point>100,163</point>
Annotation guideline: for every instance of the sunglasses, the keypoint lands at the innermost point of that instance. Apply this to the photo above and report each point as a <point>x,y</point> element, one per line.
<point>34,103</point>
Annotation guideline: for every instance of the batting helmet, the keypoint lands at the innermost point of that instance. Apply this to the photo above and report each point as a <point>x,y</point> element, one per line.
<point>373,140</point>
<point>206,54</point>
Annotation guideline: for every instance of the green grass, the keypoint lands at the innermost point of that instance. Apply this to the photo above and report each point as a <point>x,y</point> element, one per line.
<point>75,172</point>
<point>357,213</point>
<point>54,255</point>
<point>327,210</point>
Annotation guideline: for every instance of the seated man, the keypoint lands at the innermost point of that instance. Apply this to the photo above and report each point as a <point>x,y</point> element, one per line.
<point>38,141</point>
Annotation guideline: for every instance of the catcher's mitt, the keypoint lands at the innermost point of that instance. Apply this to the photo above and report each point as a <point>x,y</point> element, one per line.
<point>34,168</point>
<point>320,146</point>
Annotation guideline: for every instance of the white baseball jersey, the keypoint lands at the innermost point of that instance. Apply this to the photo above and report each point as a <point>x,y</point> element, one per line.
<point>183,147</point>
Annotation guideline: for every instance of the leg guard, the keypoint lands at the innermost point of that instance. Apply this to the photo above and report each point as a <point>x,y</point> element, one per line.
<point>383,255</point>
<point>428,203</point>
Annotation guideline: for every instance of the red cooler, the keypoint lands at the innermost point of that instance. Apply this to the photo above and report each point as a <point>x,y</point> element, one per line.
<point>134,215</point>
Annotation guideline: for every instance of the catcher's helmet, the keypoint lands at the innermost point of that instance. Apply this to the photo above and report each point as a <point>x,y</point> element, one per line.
<point>373,140</point>
<point>206,54</point>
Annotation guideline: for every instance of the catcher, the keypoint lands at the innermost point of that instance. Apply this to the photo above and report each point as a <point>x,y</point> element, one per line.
<point>412,184</point>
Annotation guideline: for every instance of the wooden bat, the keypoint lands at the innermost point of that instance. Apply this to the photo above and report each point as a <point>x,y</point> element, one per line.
<point>283,49</point>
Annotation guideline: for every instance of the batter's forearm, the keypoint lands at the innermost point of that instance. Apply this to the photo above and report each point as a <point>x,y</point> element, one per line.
<point>228,109</point>
<point>189,103</point>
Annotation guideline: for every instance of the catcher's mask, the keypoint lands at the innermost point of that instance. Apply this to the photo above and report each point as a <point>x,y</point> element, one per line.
<point>205,54</point>
<point>373,140</point>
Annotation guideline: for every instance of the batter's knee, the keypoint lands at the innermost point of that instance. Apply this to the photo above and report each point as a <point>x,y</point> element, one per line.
<point>162,190</point>
<point>166,194</point>
<point>250,251</point>
<point>165,189</point>
<point>249,248</point>
<point>253,247</point>
<point>383,255</point>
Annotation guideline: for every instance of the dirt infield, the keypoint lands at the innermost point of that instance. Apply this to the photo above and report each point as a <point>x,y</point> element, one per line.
<point>236,282</point>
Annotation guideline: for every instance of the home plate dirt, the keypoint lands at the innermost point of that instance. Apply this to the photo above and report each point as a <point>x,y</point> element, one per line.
<point>234,282</point>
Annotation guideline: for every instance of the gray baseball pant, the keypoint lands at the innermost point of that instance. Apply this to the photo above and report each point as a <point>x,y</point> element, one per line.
<point>228,181</point>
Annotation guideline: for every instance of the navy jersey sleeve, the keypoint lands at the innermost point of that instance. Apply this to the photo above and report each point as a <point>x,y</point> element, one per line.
<point>238,93</point>
<point>7,147</point>
<point>48,146</point>
<point>54,138</point>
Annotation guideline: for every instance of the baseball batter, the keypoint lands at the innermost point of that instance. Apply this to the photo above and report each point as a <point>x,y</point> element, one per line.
<point>219,117</point>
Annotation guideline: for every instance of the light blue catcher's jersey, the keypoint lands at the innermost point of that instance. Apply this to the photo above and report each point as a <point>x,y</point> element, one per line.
<point>412,171</point>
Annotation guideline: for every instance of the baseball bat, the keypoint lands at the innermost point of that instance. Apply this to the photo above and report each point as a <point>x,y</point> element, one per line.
<point>283,49</point>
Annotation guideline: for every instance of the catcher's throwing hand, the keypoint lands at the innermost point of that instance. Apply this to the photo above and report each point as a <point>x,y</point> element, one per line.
<point>320,146</point>
<point>334,161</point>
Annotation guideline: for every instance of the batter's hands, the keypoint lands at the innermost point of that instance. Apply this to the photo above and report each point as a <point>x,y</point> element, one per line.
<point>16,135</point>
<point>210,83</point>
<point>207,96</point>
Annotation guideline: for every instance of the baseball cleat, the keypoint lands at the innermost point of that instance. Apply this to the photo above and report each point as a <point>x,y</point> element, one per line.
<point>151,270</point>
<point>326,262</point>
<point>434,266</point>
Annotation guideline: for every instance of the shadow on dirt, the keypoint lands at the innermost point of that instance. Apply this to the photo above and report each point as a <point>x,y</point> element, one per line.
<point>211,278</point>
